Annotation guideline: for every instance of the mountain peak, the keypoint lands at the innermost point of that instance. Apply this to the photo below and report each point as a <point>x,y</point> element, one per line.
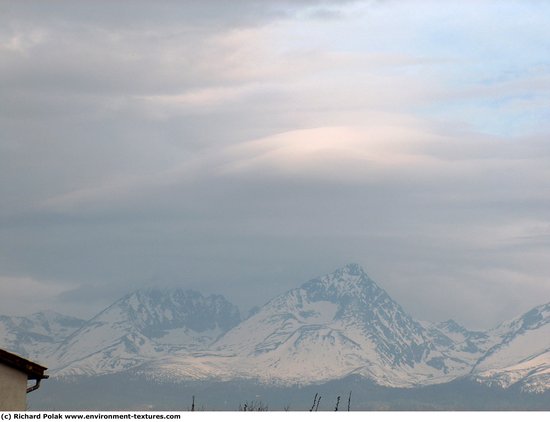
<point>49,315</point>
<point>452,326</point>
<point>352,269</point>
<point>349,280</point>
<point>164,308</point>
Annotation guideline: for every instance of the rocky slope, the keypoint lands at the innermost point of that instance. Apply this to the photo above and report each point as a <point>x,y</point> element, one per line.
<point>38,335</point>
<point>521,355</point>
<point>142,326</point>
<point>331,327</point>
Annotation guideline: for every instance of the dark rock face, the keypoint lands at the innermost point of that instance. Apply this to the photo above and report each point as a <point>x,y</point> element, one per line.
<point>155,311</point>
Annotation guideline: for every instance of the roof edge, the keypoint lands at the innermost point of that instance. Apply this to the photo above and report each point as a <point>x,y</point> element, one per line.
<point>33,370</point>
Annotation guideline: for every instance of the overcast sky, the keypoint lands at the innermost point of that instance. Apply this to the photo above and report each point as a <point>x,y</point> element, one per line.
<point>243,147</point>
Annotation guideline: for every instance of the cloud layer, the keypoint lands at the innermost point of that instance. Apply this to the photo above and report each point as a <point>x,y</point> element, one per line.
<point>244,148</point>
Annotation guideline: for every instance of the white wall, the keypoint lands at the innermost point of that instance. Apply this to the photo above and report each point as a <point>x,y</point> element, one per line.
<point>13,389</point>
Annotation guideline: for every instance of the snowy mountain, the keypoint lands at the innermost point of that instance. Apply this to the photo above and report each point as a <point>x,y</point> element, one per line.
<point>38,335</point>
<point>521,356</point>
<point>472,341</point>
<point>330,327</point>
<point>143,326</point>
<point>460,345</point>
<point>338,325</point>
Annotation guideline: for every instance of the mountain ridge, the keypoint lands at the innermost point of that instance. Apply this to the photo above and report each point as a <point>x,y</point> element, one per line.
<point>144,325</point>
<point>329,327</point>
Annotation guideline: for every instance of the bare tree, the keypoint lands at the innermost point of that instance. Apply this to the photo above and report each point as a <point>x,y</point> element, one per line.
<point>253,406</point>
<point>314,401</point>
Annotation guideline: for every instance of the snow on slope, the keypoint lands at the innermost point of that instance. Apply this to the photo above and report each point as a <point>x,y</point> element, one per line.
<point>38,335</point>
<point>522,354</point>
<point>142,326</point>
<point>330,327</point>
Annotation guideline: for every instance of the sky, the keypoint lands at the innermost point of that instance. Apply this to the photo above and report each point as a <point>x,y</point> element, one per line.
<point>244,147</point>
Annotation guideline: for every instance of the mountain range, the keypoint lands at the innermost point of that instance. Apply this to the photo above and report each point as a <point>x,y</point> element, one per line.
<point>332,327</point>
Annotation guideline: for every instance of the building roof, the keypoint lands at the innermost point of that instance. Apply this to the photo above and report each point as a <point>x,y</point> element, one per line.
<point>33,370</point>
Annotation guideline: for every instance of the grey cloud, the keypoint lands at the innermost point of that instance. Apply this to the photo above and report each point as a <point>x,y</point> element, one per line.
<point>137,149</point>
<point>207,236</point>
<point>143,14</point>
